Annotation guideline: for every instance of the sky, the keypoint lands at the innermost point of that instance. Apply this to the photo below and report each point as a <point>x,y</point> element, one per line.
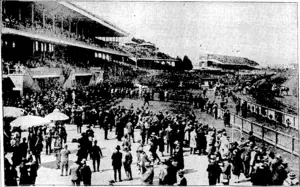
<point>263,32</point>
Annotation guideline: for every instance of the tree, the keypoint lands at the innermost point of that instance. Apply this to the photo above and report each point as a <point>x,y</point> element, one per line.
<point>178,63</point>
<point>137,40</point>
<point>187,63</point>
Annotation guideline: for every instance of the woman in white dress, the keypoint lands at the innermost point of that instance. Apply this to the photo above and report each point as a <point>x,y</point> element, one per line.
<point>193,141</point>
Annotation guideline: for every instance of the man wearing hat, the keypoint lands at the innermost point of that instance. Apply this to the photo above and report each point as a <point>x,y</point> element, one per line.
<point>127,163</point>
<point>64,159</point>
<point>226,170</point>
<point>279,173</point>
<point>153,147</point>
<point>291,180</point>
<point>117,163</point>
<point>213,170</point>
<point>96,154</point>
<point>85,173</point>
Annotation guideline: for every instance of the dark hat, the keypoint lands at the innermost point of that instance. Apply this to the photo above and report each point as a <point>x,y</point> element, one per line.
<point>164,161</point>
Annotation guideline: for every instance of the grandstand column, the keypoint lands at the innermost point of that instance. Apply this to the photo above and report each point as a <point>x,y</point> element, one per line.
<point>76,27</point>
<point>43,18</point>
<point>70,22</point>
<point>20,14</point>
<point>32,15</point>
<point>53,22</point>
<point>62,24</point>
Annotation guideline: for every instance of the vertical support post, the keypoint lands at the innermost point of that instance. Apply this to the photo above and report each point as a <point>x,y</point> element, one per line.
<point>262,133</point>
<point>32,15</point>
<point>276,138</point>
<point>251,124</point>
<point>62,24</point>
<point>293,144</point>
<point>53,25</point>
<point>20,14</point>
<point>44,22</point>
<point>33,45</point>
<point>234,118</point>
<point>242,124</point>
<point>294,120</point>
<point>70,22</point>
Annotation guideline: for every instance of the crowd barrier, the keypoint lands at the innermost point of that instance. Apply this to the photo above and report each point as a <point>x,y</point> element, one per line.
<point>272,136</point>
<point>272,114</point>
<point>288,143</point>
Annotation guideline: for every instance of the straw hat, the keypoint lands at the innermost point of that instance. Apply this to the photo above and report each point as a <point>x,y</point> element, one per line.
<point>292,175</point>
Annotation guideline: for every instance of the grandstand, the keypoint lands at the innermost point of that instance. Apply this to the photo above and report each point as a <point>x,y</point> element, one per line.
<point>227,63</point>
<point>57,40</point>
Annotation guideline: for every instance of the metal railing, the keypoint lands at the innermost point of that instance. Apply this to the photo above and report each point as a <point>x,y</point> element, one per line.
<point>9,71</point>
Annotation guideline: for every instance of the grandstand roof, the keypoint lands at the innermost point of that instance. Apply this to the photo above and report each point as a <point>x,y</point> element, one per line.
<point>131,43</point>
<point>216,61</point>
<point>94,17</point>
<point>147,44</point>
<point>232,66</point>
<point>66,10</point>
<point>61,41</point>
<point>156,59</point>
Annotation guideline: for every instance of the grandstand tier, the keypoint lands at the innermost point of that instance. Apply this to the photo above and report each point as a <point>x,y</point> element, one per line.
<point>51,41</point>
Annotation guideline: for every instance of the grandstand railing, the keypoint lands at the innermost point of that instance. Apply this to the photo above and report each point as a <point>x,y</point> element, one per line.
<point>288,143</point>
<point>12,71</point>
<point>271,114</point>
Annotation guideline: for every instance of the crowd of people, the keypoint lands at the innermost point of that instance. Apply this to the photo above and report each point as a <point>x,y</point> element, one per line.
<point>11,22</point>
<point>159,133</point>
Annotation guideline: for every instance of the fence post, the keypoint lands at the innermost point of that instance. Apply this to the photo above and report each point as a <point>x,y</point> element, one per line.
<point>294,119</point>
<point>293,144</point>
<point>234,118</point>
<point>276,138</point>
<point>242,123</point>
<point>262,133</point>
<point>251,126</point>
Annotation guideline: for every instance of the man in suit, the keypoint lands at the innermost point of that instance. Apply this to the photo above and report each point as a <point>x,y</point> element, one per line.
<point>85,173</point>
<point>96,155</point>
<point>117,163</point>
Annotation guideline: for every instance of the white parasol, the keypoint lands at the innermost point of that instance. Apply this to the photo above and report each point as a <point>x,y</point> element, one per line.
<point>56,116</point>
<point>9,111</point>
<point>29,121</point>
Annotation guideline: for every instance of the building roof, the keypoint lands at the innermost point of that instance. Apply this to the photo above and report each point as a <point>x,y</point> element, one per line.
<point>215,61</point>
<point>41,37</point>
<point>145,44</point>
<point>156,59</point>
<point>93,17</point>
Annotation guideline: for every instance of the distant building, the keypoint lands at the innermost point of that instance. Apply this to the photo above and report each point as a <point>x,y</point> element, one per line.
<point>293,66</point>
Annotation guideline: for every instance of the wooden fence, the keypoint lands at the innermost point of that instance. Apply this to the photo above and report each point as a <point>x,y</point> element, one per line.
<point>272,136</point>
<point>272,114</point>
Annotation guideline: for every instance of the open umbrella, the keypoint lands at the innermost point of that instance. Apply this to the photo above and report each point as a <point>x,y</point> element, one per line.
<point>56,116</point>
<point>9,111</point>
<point>29,121</point>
